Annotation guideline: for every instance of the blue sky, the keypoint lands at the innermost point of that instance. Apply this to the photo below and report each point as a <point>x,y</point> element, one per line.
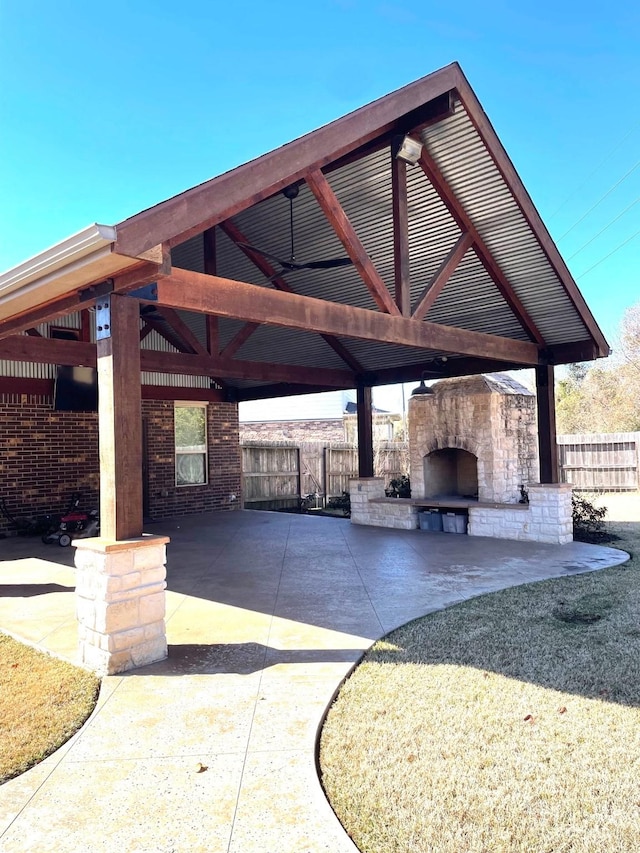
<point>106,109</point>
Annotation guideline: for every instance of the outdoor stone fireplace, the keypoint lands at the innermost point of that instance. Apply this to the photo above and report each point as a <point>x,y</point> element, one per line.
<point>474,437</point>
<point>473,449</point>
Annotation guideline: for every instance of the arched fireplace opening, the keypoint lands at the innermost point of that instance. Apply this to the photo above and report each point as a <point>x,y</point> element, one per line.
<point>451,472</point>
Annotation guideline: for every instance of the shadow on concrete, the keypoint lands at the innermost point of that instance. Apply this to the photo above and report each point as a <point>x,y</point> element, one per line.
<point>238,659</point>
<point>27,590</point>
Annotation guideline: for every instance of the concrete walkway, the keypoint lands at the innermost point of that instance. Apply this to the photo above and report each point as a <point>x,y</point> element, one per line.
<point>266,614</point>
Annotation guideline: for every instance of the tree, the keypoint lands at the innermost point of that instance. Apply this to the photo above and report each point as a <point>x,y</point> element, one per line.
<point>606,396</point>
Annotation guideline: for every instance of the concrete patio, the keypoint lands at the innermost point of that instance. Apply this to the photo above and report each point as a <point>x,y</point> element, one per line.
<point>266,613</point>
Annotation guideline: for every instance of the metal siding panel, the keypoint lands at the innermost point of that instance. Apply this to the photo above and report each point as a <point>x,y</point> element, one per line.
<point>464,161</point>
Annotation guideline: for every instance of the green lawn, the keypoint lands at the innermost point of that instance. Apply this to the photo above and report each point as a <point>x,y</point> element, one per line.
<point>508,723</point>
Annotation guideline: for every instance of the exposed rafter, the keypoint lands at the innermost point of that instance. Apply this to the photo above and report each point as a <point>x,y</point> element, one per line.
<point>236,236</point>
<point>447,195</point>
<point>401,235</point>
<point>217,200</point>
<point>340,223</point>
<point>442,276</point>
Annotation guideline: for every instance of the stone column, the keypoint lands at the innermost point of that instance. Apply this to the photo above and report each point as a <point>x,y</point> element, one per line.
<point>551,512</point>
<point>120,596</point>
<point>360,492</point>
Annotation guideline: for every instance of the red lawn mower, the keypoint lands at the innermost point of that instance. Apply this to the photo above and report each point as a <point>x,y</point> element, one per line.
<point>75,524</point>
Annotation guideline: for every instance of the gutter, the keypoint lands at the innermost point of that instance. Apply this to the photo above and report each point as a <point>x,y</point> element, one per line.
<point>73,263</point>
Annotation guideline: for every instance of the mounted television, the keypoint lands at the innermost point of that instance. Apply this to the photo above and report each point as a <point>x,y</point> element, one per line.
<point>76,389</point>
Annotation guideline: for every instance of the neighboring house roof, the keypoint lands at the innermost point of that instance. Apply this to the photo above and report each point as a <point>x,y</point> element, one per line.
<point>448,257</point>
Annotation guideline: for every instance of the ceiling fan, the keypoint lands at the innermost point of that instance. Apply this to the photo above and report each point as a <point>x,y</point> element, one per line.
<point>292,265</point>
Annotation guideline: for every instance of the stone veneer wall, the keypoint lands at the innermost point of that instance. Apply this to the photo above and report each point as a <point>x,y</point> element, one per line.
<point>385,513</point>
<point>547,518</point>
<point>46,455</point>
<point>492,417</point>
<point>120,602</point>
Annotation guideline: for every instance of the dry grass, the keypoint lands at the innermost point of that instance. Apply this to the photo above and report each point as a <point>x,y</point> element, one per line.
<point>508,723</point>
<point>43,701</point>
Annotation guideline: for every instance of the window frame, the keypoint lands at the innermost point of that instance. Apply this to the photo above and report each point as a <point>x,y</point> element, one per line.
<point>198,450</point>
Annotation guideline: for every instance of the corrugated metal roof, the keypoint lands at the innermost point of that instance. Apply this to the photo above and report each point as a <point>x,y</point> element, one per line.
<point>470,300</point>
<point>471,172</point>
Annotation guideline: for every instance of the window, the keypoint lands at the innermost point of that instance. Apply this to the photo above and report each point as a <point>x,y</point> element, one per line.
<point>191,443</point>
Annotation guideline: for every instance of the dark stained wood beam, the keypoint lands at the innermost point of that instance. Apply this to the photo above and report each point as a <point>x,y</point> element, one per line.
<point>31,387</point>
<point>365,431</point>
<point>180,327</point>
<point>85,325</point>
<point>340,223</point>
<point>401,235</point>
<point>211,268</point>
<point>33,333</point>
<point>145,331</point>
<point>442,276</point>
<point>463,220</point>
<point>547,440</point>
<point>195,291</point>
<point>278,389</point>
<point>167,333</point>
<point>191,212</point>
<point>197,365</point>
<point>238,340</point>
<point>174,392</point>
<point>213,335</point>
<point>120,423</point>
<point>259,371</point>
<point>57,308</point>
<point>236,236</point>
<point>48,351</point>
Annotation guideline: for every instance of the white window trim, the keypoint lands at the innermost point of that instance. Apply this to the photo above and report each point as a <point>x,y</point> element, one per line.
<point>196,449</point>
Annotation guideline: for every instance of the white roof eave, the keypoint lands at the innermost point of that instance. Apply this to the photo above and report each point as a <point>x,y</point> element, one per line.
<point>81,258</point>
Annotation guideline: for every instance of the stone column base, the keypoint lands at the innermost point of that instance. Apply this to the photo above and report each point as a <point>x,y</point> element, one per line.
<point>120,597</point>
<point>548,517</point>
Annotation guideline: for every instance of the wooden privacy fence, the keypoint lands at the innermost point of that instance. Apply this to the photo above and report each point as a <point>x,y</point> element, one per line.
<point>276,474</point>
<point>600,461</point>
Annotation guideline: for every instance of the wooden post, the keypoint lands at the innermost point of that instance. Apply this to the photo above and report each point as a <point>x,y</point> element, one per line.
<point>365,432</point>
<point>119,417</point>
<point>547,441</point>
<point>401,236</point>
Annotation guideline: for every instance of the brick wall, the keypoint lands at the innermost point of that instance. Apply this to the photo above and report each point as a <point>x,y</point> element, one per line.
<point>46,455</point>
<point>165,498</point>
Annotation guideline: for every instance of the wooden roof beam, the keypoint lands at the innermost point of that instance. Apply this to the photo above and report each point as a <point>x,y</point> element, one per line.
<point>401,235</point>
<point>340,223</point>
<point>189,213</point>
<point>197,365</point>
<point>456,210</point>
<point>236,236</point>
<point>78,353</point>
<point>442,276</point>
<point>194,291</point>
<point>238,340</point>
<point>180,327</point>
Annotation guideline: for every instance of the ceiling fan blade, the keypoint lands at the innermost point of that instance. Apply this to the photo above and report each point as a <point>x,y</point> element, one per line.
<point>329,264</point>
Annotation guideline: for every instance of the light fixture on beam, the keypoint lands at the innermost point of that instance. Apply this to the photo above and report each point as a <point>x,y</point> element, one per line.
<point>407,148</point>
<point>422,389</point>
